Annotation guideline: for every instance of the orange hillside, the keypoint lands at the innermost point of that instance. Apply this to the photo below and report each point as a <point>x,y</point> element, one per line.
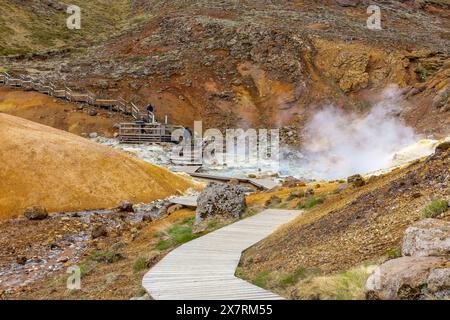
<point>63,172</point>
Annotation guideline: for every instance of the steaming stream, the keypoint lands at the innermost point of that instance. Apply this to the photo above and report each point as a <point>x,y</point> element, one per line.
<point>337,145</point>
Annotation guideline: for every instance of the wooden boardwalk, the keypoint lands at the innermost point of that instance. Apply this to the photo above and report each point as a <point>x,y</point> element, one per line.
<point>204,268</point>
<point>188,201</point>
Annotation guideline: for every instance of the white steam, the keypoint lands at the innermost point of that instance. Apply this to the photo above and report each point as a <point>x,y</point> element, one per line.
<point>339,144</point>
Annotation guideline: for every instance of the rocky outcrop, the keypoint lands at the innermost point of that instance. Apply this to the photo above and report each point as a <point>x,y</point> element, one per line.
<point>220,200</point>
<point>424,270</point>
<point>402,278</point>
<point>429,237</point>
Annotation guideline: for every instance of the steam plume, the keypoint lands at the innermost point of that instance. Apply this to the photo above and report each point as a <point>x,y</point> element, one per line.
<point>339,144</point>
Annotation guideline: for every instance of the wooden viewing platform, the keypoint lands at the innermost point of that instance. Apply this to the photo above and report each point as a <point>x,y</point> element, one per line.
<point>144,130</point>
<point>204,268</point>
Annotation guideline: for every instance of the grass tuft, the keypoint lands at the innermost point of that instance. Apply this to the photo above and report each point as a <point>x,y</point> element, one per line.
<point>346,285</point>
<point>435,208</point>
<point>262,279</point>
<point>293,278</point>
<point>140,264</point>
<point>310,202</point>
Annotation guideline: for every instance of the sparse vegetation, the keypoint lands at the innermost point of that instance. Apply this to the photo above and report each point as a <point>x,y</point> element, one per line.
<point>347,285</point>
<point>176,235</point>
<point>293,278</point>
<point>140,264</point>
<point>394,253</point>
<point>262,279</point>
<point>310,202</point>
<point>435,208</point>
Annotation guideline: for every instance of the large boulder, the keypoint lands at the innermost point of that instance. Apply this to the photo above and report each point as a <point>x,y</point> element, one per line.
<point>429,237</point>
<point>406,278</point>
<point>220,199</point>
<point>438,282</point>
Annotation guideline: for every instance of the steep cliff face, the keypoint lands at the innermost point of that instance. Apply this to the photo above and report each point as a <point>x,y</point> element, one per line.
<point>264,64</point>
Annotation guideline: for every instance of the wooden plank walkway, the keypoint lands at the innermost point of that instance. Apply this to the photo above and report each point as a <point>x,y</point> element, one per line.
<point>263,184</point>
<point>185,169</point>
<point>188,201</point>
<point>204,268</point>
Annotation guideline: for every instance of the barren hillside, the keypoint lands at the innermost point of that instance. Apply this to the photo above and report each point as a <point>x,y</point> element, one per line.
<point>249,63</point>
<point>63,172</point>
<point>58,114</point>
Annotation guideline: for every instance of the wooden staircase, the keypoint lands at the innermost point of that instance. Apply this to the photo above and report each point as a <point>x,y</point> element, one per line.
<point>115,105</point>
<point>145,129</point>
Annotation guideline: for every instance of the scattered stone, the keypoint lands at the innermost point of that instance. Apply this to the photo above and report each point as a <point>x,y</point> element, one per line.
<point>93,135</point>
<point>63,259</point>
<point>342,187</point>
<point>234,182</point>
<point>99,231</point>
<point>309,192</point>
<point>273,201</point>
<point>125,206</point>
<point>291,182</point>
<point>297,194</point>
<point>356,180</point>
<point>92,112</point>
<point>35,213</point>
<point>429,237</point>
<point>21,260</point>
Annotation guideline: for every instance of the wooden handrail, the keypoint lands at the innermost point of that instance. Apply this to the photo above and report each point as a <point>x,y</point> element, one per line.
<point>118,104</point>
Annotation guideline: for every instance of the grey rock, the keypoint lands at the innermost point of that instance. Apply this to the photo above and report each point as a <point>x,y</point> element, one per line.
<point>429,237</point>
<point>439,280</point>
<point>402,278</point>
<point>35,213</point>
<point>220,199</point>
